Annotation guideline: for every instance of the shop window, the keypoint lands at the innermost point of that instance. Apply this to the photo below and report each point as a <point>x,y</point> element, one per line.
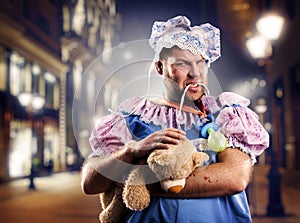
<point>26,76</point>
<point>22,78</point>
<point>79,17</point>
<point>52,91</point>
<point>56,96</point>
<point>21,148</point>
<point>77,71</point>
<point>35,83</point>
<point>49,94</point>
<point>17,74</point>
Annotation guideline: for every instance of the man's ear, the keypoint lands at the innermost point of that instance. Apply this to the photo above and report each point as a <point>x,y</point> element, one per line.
<point>159,67</point>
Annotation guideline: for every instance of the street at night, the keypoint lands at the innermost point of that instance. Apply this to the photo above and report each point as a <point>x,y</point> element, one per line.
<point>58,198</point>
<point>74,75</point>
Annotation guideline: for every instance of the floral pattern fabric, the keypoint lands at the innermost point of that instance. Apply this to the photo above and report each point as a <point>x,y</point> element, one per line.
<point>200,40</point>
<point>237,122</point>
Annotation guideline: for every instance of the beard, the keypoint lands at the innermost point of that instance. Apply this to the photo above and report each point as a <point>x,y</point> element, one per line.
<point>174,92</point>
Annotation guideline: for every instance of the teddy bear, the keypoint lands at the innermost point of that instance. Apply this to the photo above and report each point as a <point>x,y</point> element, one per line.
<point>113,208</point>
<point>170,167</point>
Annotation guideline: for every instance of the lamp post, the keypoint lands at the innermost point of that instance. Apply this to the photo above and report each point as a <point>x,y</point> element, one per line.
<point>260,47</point>
<point>32,103</point>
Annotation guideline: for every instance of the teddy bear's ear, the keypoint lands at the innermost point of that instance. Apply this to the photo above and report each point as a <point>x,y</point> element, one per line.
<point>165,160</point>
<point>199,158</point>
<point>161,158</point>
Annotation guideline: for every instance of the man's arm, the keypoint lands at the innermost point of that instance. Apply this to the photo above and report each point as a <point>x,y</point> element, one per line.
<point>230,175</point>
<point>100,173</point>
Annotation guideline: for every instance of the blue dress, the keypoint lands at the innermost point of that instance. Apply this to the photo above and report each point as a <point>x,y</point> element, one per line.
<point>229,209</point>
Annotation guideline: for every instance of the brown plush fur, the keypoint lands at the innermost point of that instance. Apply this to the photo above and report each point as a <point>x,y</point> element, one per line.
<point>113,209</point>
<point>135,194</point>
<point>175,163</point>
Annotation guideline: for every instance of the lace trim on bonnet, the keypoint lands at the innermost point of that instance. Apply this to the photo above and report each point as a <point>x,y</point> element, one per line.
<point>200,40</point>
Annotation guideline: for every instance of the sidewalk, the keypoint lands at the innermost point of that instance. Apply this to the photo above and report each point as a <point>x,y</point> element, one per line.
<point>59,199</point>
<point>290,196</point>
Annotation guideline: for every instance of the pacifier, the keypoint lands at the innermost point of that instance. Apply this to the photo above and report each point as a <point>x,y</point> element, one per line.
<point>209,130</point>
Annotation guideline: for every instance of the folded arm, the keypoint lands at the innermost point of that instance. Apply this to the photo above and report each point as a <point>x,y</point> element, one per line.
<point>100,173</point>
<point>230,175</point>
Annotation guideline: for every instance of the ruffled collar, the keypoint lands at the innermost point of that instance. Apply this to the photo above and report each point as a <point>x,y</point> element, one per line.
<point>157,112</point>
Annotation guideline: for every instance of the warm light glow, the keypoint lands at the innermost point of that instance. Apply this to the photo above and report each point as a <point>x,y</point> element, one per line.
<point>261,109</point>
<point>37,102</point>
<point>49,77</point>
<point>36,70</point>
<point>261,106</point>
<point>25,99</point>
<point>259,47</point>
<point>31,101</point>
<point>270,26</point>
<point>262,83</point>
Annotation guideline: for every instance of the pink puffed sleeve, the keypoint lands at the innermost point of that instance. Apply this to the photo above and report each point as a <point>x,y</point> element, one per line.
<point>241,126</point>
<point>109,135</point>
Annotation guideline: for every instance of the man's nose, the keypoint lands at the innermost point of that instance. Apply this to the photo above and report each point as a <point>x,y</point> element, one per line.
<point>194,71</point>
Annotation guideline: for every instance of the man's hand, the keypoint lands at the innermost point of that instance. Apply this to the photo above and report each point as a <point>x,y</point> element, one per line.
<point>157,140</point>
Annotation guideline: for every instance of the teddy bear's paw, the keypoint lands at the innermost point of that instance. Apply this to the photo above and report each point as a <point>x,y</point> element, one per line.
<point>104,217</point>
<point>136,197</point>
<point>114,213</point>
<point>107,197</point>
<point>108,217</point>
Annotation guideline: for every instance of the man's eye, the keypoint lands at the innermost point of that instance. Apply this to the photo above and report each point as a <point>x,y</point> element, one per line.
<point>179,64</point>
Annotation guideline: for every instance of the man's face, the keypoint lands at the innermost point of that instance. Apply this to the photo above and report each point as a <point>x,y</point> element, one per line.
<point>181,69</point>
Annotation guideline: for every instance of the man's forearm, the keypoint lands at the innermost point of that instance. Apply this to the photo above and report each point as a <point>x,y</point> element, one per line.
<point>230,175</point>
<point>92,182</point>
<point>99,173</point>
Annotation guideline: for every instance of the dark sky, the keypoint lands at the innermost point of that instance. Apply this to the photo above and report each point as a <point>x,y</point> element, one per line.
<point>138,17</point>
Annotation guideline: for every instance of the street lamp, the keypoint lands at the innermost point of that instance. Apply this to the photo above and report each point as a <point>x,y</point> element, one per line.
<point>270,26</point>
<point>260,47</point>
<point>32,103</point>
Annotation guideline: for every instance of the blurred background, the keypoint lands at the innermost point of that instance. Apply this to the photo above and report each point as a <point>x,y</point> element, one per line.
<point>52,91</point>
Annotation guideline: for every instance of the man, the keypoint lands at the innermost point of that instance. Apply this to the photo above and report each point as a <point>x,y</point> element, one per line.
<point>211,194</point>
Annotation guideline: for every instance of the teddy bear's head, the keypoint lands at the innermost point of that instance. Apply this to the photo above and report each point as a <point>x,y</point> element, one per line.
<point>173,165</point>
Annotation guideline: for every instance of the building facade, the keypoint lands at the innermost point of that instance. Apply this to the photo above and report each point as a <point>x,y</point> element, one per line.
<point>44,48</point>
<point>285,76</point>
